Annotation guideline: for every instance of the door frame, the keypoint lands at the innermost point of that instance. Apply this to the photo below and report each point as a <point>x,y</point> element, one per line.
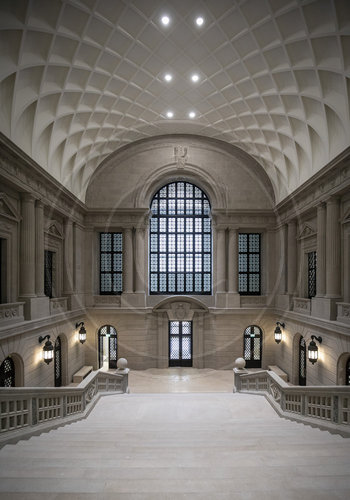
<point>180,362</point>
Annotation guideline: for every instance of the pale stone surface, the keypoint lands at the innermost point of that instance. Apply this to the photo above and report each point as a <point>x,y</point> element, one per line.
<point>180,380</point>
<point>167,446</point>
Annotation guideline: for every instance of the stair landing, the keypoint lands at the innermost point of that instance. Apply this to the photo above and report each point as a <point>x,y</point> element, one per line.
<point>178,446</point>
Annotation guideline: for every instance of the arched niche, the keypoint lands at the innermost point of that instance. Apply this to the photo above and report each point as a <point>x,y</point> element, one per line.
<point>180,309</point>
<point>130,176</point>
<point>341,367</point>
<point>296,358</point>
<point>18,367</point>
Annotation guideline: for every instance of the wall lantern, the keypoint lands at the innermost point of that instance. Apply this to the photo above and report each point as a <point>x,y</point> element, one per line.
<point>278,331</point>
<point>313,349</point>
<point>82,332</point>
<point>47,349</point>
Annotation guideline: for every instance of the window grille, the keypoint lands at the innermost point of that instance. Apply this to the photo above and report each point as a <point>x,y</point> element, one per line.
<point>252,349</point>
<point>347,372</point>
<point>48,273</point>
<point>111,333</point>
<point>311,274</point>
<point>249,264</point>
<point>302,361</point>
<point>58,362</point>
<point>7,373</point>
<point>180,343</point>
<point>111,263</point>
<point>180,241</point>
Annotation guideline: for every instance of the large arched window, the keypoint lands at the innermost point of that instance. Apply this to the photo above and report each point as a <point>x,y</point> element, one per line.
<point>180,240</point>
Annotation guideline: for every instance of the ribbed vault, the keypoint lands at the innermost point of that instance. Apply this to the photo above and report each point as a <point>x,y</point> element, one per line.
<point>80,79</point>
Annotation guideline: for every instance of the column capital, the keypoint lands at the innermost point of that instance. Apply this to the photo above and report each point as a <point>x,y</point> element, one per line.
<point>39,203</point>
<point>333,200</point>
<point>29,197</point>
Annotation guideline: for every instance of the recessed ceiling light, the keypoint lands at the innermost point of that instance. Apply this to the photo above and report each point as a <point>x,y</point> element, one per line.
<point>192,114</point>
<point>195,77</point>
<point>199,21</point>
<point>165,20</point>
<point>168,77</point>
<point>170,114</point>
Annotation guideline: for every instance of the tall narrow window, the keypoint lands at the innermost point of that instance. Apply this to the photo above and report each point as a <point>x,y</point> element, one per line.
<point>3,271</point>
<point>302,361</point>
<point>347,372</point>
<point>7,373</point>
<point>311,274</point>
<point>180,240</point>
<point>107,347</point>
<point>249,264</point>
<point>111,263</point>
<point>252,349</point>
<point>48,273</point>
<point>58,362</point>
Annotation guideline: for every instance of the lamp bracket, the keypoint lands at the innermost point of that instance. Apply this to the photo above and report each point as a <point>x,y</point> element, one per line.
<point>41,338</point>
<point>79,324</point>
<point>280,323</point>
<point>319,339</point>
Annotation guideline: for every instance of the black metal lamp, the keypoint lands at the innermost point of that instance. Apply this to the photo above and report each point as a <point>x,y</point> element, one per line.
<point>47,349</point>
<point>82,332</point>
<point>313,349</point>
<point>278,331</point>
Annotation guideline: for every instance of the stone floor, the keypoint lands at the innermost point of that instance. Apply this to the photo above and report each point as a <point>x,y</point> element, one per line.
<point>200,446</point>
<point>171,380</point>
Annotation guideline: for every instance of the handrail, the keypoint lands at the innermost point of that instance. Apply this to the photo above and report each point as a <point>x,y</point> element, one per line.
<point>25,411</point>
<point>327,407</point>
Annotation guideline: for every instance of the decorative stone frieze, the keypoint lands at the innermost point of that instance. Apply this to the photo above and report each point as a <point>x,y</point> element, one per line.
<point>302,305</point>
<point>343,312</point>
<point>11,313</point>
<point>28,174</point>
<point>58,305</point>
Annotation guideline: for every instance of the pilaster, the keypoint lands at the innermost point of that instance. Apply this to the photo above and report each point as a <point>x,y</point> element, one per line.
<point>292,257</point>
<point>321,250</point>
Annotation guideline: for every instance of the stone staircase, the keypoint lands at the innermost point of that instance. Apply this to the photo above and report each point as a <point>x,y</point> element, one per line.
<point>171,446</point>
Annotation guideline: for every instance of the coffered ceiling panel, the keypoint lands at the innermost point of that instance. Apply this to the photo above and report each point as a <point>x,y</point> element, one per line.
<point>81,79</point>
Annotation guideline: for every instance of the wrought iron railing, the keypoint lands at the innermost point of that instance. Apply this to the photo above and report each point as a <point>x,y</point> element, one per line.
<point>25,411</point>
<point>327,407</point>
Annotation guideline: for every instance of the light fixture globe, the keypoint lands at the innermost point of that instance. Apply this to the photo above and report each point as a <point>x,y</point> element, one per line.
<point>82,332</point>
<point>278,332</point>
<point>313,349</point>
<point>47,349</point>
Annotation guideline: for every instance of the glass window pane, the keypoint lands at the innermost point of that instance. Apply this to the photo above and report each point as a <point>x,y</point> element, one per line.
<point>189,262</point>
<point>189,190</point>
<point>171,243</point>
<point>189,282</point>
<point>171,225</point>
<point>162,225</point>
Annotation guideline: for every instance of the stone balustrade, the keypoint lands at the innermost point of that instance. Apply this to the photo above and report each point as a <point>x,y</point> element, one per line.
<point>25,411</point>
<point>328,407</point>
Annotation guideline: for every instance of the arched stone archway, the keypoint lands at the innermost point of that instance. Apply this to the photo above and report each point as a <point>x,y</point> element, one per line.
<point>341,368</point>
<point>180,309</point>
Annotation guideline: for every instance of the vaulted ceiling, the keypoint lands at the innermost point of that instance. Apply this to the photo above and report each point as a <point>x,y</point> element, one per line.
<point>81,79</point>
